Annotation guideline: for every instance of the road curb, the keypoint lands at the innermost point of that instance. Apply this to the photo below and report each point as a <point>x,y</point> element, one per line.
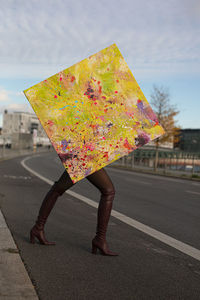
<point>15,282</point>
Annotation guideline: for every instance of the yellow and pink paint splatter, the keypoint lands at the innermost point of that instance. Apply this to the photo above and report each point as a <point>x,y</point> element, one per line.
<point>94,112</point>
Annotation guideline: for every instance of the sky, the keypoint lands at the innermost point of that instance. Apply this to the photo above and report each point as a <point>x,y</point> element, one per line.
<point>160,41</point>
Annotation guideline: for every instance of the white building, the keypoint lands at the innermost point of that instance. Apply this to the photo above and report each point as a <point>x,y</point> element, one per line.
<point>21,122</point>
<point>23,125</point>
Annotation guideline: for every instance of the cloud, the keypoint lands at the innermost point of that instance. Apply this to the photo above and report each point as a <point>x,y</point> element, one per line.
<point>4,98</point>
<point>192,10</point>
<point>16,107</point>
<point>40,39</point>
<point>6,102</point>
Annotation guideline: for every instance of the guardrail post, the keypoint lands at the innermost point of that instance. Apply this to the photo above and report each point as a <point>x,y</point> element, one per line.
<point>132,160</point>
<point>193,164</point>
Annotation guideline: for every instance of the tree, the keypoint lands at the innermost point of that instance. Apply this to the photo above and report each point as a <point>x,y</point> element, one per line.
<point>160,102</point>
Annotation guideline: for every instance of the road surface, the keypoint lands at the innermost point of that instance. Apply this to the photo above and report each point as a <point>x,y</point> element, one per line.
<point>147,267</point>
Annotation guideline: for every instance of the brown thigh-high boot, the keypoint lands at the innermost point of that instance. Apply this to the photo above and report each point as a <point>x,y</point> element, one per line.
<point>57,189</point>
<point>103,182</point>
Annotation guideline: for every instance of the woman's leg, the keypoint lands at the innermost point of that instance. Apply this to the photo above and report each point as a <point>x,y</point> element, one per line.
<point>102,181</point>
<point>56,190</point>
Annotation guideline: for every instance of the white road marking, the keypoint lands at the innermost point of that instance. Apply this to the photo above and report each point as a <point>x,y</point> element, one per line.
<point>196,183</point>
<point>33,172</point>
<point>151,176</point>
<point>185,248</point>
<point>192,192</point>
<point>16,177</point>
<point>135,180</point>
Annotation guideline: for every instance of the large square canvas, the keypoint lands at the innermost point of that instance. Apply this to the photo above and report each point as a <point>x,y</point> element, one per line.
<point>94,112</point>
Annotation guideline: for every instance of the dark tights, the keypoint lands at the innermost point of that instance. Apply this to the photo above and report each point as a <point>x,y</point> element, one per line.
<point>99,179</point>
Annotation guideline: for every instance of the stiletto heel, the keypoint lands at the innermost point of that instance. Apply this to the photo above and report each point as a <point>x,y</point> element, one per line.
<point>39,234</point>
<point>94,249</point>
<point>103,247</point>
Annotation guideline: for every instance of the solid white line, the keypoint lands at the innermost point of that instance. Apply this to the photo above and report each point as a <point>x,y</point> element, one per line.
<point>185,248</point>
<point>135,180</point>
<point>196,183</point>
<point>192,192</point>
<point>150,176</point>
<point>33,172</point>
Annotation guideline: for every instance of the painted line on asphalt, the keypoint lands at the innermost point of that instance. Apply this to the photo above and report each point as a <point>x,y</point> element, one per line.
<point>196,183</point>
<point>185,248</point>
<point>138,181</point>
<point>150,176</point>
<point>33,172</point>
<point>192,192</point>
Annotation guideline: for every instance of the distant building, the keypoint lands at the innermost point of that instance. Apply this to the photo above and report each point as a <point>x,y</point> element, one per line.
<point>189,140</point>
<point>19,128</point>
<point>21,122</point>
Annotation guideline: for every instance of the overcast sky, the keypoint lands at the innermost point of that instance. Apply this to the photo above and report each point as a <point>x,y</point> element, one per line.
<point>160,41</point>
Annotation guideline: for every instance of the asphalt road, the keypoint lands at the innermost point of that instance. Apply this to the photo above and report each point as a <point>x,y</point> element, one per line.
<point>146,267</point>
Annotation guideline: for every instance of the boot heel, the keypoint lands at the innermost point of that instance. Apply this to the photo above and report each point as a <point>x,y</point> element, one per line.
<point>32,238</point>
<point>94,249</point>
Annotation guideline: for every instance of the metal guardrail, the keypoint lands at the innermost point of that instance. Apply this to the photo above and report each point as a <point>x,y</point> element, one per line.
<point>175,161</point>
<point>180,163</point>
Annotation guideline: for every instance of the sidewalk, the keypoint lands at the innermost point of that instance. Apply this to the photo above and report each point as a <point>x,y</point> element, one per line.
<point>14,280</point>
<point>11,153</point>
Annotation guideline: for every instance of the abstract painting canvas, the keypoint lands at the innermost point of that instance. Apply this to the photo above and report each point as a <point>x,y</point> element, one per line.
<point>94,112</point>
